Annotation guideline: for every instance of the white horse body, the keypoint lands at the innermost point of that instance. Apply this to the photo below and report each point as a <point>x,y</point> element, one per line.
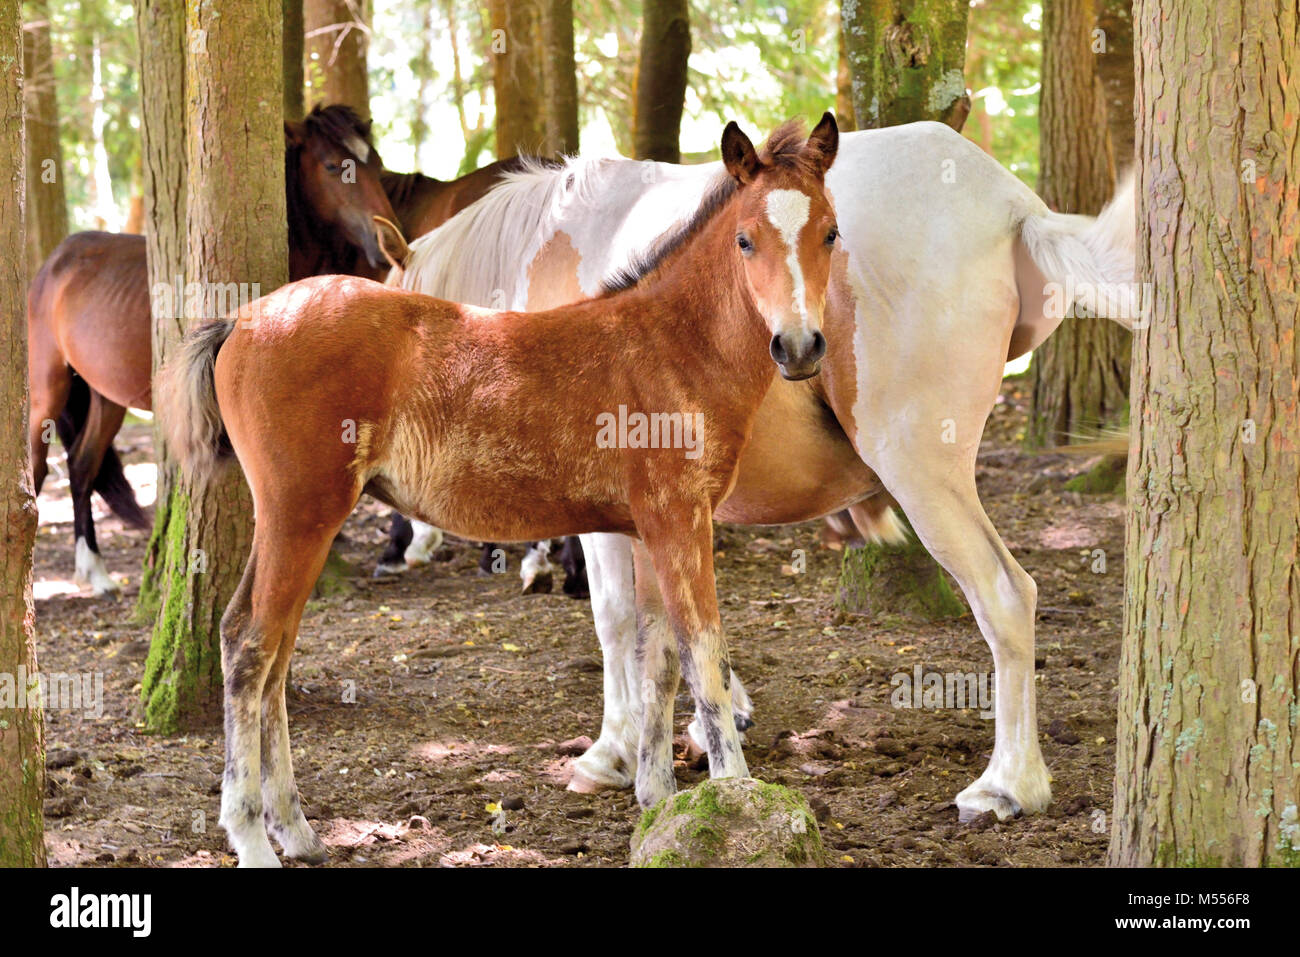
<point>949,261</point>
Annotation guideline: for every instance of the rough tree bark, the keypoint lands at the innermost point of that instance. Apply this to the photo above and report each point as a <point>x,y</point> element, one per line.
<point>1208,756</point>
<point>1080,374</point>
<point>906,59</point>
<point>517,77</point>
<point>661,80</point>
<point>294,51</point>
<point>47,204</point>
<point>843,83</point>
<point>559,77</point>
<point>160,27</point>
<point>335,44</point>
<point>235,233</point>
<point>22,746</point>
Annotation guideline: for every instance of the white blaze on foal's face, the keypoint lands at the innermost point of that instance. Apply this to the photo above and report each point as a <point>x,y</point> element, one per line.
<point>785,230</point>
<point>788,211</point>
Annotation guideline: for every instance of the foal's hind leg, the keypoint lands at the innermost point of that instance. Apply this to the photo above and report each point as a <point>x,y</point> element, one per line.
<point>258,632</point>
<point>84,459</point>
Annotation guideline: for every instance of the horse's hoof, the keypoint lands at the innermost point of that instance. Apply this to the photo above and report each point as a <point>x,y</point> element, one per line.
<point>539,584</point>
<point>385,570</point>
<point>315,855</point>
<point>582,784</point>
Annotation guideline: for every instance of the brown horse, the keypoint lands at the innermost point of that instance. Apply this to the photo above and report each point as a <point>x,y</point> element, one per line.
<point>340,386</point>
<point>424,203</point>
<point>88,313</point>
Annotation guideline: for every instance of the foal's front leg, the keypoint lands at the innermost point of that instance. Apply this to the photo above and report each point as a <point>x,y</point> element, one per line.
<point>679,543</point>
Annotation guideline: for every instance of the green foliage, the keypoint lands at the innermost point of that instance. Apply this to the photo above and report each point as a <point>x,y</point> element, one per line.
<point>1003,65</point>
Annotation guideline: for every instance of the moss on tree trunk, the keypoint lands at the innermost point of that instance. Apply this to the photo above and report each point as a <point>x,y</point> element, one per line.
<point>906,59</point>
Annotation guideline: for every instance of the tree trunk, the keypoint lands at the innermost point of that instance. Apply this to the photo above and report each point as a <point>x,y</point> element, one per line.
<point>517,77</point>
<point>661,80</point>
<point>235,233</point>
<point>1081,373</point>
<point>1114,64</point>
<point>47,204</point>
<point>22,746</point>
<point>294,50</point>
<point>1208,756</point>
<point>560,78</point>
<point>335,62</point>
<point>160,27</point>
<point>906,59</point>
<point>844,115</point>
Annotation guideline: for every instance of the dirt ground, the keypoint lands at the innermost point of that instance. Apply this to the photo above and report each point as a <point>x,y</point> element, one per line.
<point>471,700</point>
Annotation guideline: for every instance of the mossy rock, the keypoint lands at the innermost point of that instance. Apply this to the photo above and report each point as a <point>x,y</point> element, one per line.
<point>730,822</point>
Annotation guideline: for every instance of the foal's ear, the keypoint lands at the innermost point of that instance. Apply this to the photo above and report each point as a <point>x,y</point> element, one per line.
<point>824,142</point>
<point>391,242</point>
<point>294,133</point>
<point>738,154</point>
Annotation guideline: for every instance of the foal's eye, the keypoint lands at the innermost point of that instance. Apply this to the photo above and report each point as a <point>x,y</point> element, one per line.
<point>745,245</point>
<point>832,235</point>
<point>332,167</point>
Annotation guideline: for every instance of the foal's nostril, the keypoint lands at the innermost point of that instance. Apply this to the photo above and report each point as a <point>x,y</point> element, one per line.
<point>818,347</point>
<point>777,348</point>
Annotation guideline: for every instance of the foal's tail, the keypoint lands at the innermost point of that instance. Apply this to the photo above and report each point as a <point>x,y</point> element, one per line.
<point>187,403</point>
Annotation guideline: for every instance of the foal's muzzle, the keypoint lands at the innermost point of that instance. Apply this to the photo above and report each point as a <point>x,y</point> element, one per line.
<point>798,354</point>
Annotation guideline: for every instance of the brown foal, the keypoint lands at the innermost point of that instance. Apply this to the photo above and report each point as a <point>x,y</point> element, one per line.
<point>338,386</point>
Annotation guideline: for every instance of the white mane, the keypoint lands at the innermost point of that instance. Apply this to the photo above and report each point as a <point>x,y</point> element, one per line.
<point>496,238</point>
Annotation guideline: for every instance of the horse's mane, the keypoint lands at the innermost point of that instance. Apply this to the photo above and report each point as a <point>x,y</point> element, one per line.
<point>400,187</point>
<point>467,258</point>
<point>784,149</point>
<point>342,126</point>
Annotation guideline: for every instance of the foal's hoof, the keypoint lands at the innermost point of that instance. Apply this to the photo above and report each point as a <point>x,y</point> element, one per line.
<point>383,570</point>
<point>307,848</point>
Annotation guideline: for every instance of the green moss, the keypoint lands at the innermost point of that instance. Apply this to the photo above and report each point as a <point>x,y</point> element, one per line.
<point>1104,478</point>
<point>889,580</point>
<point>181,672</point>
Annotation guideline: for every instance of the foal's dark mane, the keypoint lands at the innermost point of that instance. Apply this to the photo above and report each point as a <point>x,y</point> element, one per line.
<point>783,149</point>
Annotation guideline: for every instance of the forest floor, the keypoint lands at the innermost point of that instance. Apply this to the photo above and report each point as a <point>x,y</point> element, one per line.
<point>469,694</point>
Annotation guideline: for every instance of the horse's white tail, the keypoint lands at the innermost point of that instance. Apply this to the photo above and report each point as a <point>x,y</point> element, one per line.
<point>1091,260</point>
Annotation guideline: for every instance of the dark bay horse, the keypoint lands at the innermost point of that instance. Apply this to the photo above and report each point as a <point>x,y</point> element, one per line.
<point>424,203</point>
<point>689,337</point>
<point>88,313</point>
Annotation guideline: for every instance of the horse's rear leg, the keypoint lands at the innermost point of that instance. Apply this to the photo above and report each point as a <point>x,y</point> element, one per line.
<point>258,632</point>
<point>611,762</point>
<point>392,561</point>
<point>51,381</point>
<point>425,540</point>
<point>84,459</point>
<point>944,508</point>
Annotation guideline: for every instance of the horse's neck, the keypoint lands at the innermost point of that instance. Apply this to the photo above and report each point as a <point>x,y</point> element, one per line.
<point>699,301</point>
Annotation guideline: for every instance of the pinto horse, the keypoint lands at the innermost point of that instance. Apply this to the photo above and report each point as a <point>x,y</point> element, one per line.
<point>950,267</point>
<point>88,313</point>
<point>434,391</point>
